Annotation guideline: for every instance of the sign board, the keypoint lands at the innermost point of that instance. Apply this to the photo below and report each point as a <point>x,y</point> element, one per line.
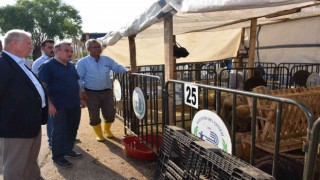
<point>117,90</point>
<point>138,103</point>
<point>191,95</point>
<point>313,80</point>
<point>208,126</point>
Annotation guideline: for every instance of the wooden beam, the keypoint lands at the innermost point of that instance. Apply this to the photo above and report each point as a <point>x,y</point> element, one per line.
<point>283,13</point>
<point>252,44</point>
<point>133,68</point>
<point>256,17</point>
<point>133,54</point>
<point>170,63</point>
<point>290,20</point>
<point>238,60</point>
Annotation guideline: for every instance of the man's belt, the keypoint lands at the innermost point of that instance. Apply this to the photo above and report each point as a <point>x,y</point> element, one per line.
<point>91,90</point>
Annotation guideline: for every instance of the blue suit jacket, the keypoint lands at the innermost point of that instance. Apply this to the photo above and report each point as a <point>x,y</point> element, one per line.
<point>21,112</point>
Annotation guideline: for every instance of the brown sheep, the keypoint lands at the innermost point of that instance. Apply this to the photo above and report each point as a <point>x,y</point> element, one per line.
<point>243,117</point>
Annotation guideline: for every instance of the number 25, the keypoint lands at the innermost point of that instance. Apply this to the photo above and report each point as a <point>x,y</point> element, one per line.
<point>191,96</point>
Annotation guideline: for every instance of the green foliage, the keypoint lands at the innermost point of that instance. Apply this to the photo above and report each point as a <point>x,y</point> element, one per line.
<point>44,19</point>
<point>196,129</point>
<point>13,17</point>
<point>84,53</point>
<point>224,145</point>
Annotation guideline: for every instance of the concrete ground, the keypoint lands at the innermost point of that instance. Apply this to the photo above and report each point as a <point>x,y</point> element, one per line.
<point>106,160</point>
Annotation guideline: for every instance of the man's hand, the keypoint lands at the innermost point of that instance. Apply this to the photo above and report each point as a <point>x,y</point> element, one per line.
<point>83,96</point>
<point>83,103</point>
<point>52,110</point>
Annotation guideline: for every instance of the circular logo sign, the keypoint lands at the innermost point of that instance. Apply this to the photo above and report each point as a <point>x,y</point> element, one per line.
<point>208,126</point>
<point>138,102</point>
<point>117,90</point>
<point>313,80</point>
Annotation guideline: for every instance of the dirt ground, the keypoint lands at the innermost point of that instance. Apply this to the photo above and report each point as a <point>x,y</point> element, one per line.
<point>101,161</point>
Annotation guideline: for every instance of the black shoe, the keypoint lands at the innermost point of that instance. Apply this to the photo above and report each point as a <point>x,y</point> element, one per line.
<point>73,154</point>
<point>62,163</point>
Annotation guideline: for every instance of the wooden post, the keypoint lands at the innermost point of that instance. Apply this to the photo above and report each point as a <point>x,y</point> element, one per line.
<point>170,62</point>
<point>252,45</point>
<point>133,54</point>
<point>239,61</point>
<point>87,37</point>
<point>133,68</point>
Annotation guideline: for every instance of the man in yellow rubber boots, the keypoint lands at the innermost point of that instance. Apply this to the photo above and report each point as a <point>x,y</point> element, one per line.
<point>94,72</point>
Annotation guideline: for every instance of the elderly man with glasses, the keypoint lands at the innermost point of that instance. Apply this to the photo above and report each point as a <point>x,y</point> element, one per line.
<point>94,72</point>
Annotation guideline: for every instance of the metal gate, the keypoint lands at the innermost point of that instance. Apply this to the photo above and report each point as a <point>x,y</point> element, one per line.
<point>311,159</point>
<point>164,102</point>
<point>211,97</point>
<point>143,119</point>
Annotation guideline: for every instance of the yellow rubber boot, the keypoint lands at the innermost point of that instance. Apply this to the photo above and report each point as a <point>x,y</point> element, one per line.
<point>107,127</point>
<point>98,130</point>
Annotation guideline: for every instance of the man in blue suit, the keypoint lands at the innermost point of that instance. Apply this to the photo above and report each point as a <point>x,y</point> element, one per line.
<point>23,109</point>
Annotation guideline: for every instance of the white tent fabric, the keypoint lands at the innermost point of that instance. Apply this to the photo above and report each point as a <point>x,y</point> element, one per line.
<point>191,30</point>
<point>202,46</point>
<point>157,10</point>
<point>211,21</point>
<point>290,42</point>
<point>208,46</point>
<point>191,6</point>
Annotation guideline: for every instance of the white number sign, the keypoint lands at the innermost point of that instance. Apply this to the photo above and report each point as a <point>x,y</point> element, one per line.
<point>191,95</point>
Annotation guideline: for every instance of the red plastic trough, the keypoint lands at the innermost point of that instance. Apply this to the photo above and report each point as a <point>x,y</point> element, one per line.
<point>138,150</point>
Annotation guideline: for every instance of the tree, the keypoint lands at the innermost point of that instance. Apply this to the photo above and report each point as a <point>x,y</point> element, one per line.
<point>44,19</point>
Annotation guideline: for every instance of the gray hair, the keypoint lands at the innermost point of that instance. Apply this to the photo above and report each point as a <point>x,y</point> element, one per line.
<point>15,34</point>
<point>88,43</point>
<point>58,45</point>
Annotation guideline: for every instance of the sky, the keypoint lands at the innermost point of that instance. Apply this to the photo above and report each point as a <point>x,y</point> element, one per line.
<point>103,15</point>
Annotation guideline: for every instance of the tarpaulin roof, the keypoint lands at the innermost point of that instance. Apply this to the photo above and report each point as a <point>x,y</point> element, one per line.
<point>193,15</point>
<point>192,18</point>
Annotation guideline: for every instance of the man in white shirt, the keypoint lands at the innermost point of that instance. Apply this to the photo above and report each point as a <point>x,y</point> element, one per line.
<point>21,114</point>
<point>28,63</point>
<point>47,49</point>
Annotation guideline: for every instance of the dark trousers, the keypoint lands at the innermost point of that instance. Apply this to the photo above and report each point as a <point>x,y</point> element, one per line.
<point>65,126</point>
<point>49,131</point>
<point>100,101</point>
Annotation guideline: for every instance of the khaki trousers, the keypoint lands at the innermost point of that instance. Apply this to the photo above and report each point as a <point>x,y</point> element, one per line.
<point>20,158</point>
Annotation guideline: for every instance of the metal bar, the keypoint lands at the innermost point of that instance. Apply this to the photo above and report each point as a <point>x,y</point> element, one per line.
<point>310,160</point>
<point>277,140</point>
<point>233,122</point>
<point>253,129</point>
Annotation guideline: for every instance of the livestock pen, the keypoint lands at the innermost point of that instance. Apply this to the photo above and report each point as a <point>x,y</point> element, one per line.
<point>267,116</point>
